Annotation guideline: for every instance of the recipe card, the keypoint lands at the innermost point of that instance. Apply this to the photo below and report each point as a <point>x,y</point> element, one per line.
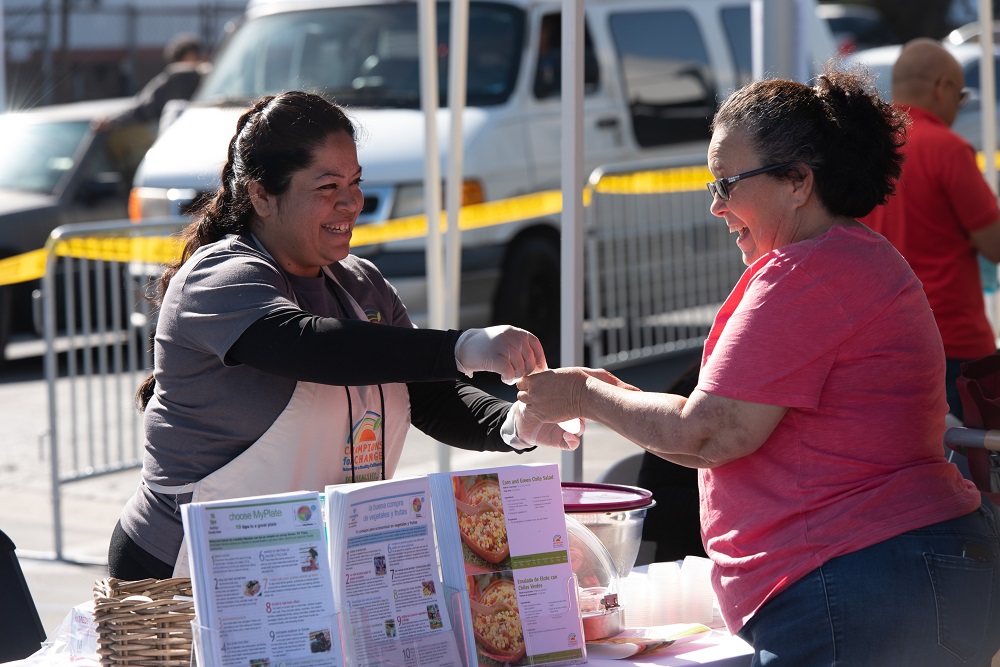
<point>503,540</point>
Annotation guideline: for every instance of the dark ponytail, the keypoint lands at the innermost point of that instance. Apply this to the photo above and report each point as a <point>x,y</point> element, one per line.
<point>274,138</point>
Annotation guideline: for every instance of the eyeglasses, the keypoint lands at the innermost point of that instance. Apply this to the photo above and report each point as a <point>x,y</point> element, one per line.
<point>720,186</point>
<point>964,94</point>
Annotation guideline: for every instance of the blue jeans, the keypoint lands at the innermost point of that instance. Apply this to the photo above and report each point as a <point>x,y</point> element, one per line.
<point>926,598</point>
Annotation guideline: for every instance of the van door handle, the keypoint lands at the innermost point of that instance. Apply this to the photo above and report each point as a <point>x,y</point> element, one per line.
<point>607,123</point>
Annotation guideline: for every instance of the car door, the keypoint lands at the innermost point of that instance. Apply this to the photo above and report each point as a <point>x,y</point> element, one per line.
<point>98,189</point>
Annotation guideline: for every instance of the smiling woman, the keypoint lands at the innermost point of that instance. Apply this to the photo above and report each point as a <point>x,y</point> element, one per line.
<point>309,225</point>
<point>282,361</point>
<point>819,404</point>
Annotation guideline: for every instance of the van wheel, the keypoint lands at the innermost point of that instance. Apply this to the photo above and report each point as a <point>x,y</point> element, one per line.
<point>528,295</point>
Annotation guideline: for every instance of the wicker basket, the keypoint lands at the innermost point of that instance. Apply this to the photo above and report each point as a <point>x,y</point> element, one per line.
<point>135,632</point>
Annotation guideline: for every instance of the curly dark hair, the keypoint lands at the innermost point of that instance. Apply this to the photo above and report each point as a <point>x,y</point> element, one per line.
<point>275,138</point>
<point>851,138</point>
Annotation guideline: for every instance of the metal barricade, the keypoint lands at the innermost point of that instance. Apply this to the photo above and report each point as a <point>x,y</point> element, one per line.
<point>658,263</point>
<point>98,348</point>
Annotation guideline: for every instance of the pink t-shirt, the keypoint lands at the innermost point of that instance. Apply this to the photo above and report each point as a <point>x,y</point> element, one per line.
<point>838,329</point>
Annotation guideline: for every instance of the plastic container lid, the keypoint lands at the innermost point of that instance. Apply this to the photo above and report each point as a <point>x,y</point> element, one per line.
<point>587,497</point>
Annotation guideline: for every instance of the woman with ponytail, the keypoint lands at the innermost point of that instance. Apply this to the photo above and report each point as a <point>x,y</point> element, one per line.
<point>283,362</point>
<point>839,532</point>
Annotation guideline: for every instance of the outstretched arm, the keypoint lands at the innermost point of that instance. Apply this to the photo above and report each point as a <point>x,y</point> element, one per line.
<point>702,431</point>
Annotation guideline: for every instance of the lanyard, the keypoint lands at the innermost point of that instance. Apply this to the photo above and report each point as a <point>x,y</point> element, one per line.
<point>335,288</point>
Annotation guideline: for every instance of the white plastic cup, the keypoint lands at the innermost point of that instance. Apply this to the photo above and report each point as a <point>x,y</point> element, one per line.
<point>696,588</point>
<point>665,591</point>
<point>636,600</point>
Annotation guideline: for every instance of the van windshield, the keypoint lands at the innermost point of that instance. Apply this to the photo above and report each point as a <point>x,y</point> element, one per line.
<point>365,55</point>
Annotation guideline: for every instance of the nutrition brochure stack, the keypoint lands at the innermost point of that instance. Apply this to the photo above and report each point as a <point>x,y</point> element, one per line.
<point>263,594</point>
<point>454,569</point>
<point>394,608</point>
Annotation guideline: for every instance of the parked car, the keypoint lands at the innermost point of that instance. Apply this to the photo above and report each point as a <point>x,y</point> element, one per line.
<point>54,170</point>
<point>855,27</point>
<point>968,123</point>
<point>655,73</point>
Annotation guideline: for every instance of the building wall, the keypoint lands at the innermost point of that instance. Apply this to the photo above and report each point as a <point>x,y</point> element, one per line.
<point>70,50</point>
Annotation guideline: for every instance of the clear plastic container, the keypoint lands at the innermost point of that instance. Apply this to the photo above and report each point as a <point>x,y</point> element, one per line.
<point>614,513</point>
<point>597,581</point>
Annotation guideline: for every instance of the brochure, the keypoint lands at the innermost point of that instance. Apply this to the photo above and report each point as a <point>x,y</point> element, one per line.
<point>503,542</point>
<point>262,587</point>
<point>394,605</point>
<point>447,570</point>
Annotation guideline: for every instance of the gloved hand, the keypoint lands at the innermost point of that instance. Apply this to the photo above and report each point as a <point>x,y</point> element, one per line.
<point>521,431</point>
<point>503,349</point>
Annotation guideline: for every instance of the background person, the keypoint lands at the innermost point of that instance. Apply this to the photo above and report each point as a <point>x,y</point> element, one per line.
<point>187,64</point>
<point>283,362</point>
<point>943,213</point>
<point>839,533</point>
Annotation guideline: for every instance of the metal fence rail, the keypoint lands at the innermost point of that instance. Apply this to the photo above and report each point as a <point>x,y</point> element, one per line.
<point>97,327</point>
<point>658,264</point>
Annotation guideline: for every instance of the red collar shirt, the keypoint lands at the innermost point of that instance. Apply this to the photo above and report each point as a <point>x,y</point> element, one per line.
<point>940,199</point>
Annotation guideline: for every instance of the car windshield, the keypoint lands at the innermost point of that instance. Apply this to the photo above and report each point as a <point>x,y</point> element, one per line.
<point>365,56</point>
<point>37,154</point>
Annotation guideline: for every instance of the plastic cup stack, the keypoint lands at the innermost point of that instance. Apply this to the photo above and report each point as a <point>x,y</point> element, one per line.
<point>636,600</point>
<point>668,593</point>
<point>665,588</point>
<point>696,590</point>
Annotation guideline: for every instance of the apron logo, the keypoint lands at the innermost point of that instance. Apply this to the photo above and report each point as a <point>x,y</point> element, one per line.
<point>367,434</point>
<point>374,315</point>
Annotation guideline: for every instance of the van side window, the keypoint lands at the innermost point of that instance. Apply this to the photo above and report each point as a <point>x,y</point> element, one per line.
<point>666,76</point>
<point>972,75</point>
<point>548,71</point>
<point>736,21</point>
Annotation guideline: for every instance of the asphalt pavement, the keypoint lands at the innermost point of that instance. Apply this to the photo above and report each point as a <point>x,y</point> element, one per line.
<point>90,508</point>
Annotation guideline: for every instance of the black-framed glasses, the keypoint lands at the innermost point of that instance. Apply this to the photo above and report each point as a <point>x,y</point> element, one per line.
<point>720,186</point>
<point>963,97</point>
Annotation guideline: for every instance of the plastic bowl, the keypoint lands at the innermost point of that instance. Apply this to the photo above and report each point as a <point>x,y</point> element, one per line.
<point>614,513</point>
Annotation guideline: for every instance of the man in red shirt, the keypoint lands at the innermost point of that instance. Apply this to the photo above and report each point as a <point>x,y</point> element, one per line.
<point>943,212</point>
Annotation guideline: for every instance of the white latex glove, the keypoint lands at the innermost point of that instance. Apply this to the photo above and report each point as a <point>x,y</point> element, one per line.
<point>521,431</point>
<point>508,351</point>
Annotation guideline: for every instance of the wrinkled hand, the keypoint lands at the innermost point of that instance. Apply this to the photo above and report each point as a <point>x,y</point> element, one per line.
<point>557,395</point>
<point>610,378</point>
<point>503,349</point>
<point>522,430</point>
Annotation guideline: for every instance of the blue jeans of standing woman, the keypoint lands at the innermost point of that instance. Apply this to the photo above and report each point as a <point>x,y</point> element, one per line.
<point>926,598</point>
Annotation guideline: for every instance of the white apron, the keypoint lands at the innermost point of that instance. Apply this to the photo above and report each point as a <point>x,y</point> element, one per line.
<point>309,445</point>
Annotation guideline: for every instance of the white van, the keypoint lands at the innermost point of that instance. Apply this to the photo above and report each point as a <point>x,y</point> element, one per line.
<point>655,72</point>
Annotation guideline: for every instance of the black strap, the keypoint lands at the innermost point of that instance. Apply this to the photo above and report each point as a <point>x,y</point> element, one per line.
<point>350,429</point>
